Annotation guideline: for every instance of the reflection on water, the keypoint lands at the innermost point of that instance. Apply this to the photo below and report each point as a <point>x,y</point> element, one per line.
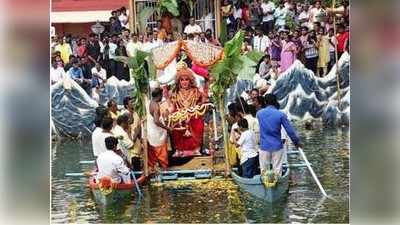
<point>211,201</point>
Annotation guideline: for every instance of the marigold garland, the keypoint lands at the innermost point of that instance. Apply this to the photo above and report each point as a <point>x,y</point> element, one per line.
<point>183,115</point>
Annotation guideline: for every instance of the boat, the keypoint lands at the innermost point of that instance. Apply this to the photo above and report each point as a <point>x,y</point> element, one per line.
<point>107,193</point>
<point>256,187</point>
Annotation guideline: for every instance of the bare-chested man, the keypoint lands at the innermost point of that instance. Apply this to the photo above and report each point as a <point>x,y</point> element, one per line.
<point>157,132</point>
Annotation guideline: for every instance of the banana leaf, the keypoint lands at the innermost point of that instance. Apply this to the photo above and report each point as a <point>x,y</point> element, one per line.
<point>190,3</point>
<point>226,71</point>
<point>144,16</point>
<point>255,55</point>
<point>248,69</point>
<point>170,6</point>
<point>233,47</point>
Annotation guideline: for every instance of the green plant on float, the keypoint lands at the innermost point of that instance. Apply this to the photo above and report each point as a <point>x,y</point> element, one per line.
<point>142,69</point>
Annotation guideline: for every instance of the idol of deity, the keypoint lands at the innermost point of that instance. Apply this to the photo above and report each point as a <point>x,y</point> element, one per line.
<point>187,105</point>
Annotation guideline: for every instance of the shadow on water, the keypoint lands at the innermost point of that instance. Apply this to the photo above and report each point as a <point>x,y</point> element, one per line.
<point>211,201</point>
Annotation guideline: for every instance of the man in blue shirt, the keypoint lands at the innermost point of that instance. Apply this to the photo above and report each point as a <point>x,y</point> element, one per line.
<point>271,121</point>
<point>75,72</point>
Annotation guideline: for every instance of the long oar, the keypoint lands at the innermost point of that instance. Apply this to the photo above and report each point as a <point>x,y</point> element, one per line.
<point>136,184</point>
<point>312,172</point>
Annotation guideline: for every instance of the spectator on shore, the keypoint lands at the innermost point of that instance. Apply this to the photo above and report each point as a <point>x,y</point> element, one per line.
<point>133,45</point>
<point>56,72</point>
<point>123,17</point>
<point>304,16</point>
<point>280,15</point>
<point>323,53</point>
<point>116,27</point>
<point>192,27</point>
<point>256,13</point>
<point>264,67</point>
<point>65,50</point>
<point>288,53</point>
<point>342,37</point>
<point>332,44</point>
<point>316,14</point>
<point>122,70</point>
<point>68,65</point>
<point>93,49</point>
<point>81,50</point>
<point>275,49</point>
<point>268,16</point>
<point>311,53</point>
<point>261,41</point>
<point>112,46</point>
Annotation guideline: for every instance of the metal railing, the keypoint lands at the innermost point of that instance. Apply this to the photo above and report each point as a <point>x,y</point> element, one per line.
<point>203,12</point>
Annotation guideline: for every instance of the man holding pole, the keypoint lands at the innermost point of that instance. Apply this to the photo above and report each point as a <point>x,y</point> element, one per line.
<point>270,120</point>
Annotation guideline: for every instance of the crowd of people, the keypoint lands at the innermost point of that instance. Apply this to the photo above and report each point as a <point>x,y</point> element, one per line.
<point>282,30</point>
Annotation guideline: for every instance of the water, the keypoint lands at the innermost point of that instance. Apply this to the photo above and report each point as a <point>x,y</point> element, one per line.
<point>211,201</point>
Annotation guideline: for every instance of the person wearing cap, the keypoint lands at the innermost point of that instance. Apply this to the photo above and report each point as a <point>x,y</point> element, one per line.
<point>270,120</point>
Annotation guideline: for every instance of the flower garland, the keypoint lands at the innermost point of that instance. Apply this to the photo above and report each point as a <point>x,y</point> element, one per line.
<point>185,114</point>
<point>106,186</point>
<point>269,179</point>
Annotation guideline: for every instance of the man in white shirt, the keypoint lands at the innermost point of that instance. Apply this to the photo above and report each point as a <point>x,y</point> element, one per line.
<point>315,15</point>
<point>111,164</point>
<point>111,54</point>
<point>99,74</point>
<point>99,136</point>
<point>192,28</point>
<point>123,18</point>
<point>248,149</point>
<point>261,42</point>
<point>56,72</point>
<point>268,16</point>
<point>303,16</point>
<point>133,45</point>
<point>120,131</point>
<point>99,77</point>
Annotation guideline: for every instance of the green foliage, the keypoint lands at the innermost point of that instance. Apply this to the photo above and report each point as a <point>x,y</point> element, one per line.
<point>170,6</point>
<point>290,22</point>
<point>226,71</point>
<point>255,55</point>
<point>141,69</point>
<point>250,61</point>
<point>144,16</point>
<point>190,3</point>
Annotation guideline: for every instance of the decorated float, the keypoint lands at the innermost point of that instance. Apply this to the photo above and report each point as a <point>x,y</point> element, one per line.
<point>198,81</point>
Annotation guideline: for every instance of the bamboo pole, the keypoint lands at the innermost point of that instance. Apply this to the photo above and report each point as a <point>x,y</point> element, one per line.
<point>217,9</point>
<point>225,135</point>
<point>144,139</point>
<point>336,54</point>
<point>132,15</point>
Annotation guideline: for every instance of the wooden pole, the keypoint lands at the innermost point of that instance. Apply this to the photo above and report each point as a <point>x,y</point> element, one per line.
<point>144,139</point>
<point>225,135</point>
<point>336,54</point>
<point>215,125</point>
<point>132,15</point>
<point>217,9</point>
